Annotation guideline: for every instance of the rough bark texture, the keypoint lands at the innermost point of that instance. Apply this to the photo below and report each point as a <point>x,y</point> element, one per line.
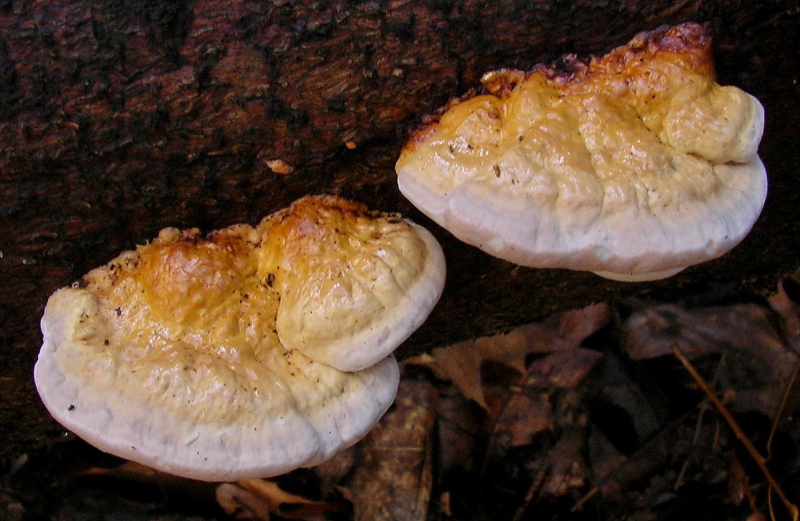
<point>118,118</point>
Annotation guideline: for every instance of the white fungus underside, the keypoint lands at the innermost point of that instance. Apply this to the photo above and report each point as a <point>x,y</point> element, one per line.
<point>260,442</point>
<point>630,244</point>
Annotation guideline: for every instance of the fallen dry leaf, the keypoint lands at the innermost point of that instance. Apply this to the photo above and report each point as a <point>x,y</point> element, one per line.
<point>756,365</point>
<point>457,363</point>
<point>331,472</point>
<point>786,303</point>
<point>603,457</point>
<point>258,499</point>
<point>522,416</point>
<point>738,482</point>
<point>458,428</point>
<point>577,325</point>
<point>526,410</point>
<point>565,465</point>
<point>461,363</point>
<point>394,477</point>
<point>242,504</point>
<point>650,331</point>
<point>562,369</point>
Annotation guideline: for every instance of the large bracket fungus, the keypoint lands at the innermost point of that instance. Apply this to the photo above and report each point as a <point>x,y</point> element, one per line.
<point>633,165</point>
<point>209,356</point>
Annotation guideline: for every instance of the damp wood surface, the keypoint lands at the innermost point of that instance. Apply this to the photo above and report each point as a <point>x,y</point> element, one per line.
<point>120,118</point>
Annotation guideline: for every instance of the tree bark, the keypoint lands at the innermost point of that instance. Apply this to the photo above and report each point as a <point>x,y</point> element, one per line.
<point>121,117</point>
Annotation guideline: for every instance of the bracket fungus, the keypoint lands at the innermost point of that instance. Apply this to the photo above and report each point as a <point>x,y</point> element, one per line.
<point>633,165</point>
<point>246,352</point>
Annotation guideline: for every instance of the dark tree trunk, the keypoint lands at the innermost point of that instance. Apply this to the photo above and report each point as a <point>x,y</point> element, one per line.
<point>120,117</point>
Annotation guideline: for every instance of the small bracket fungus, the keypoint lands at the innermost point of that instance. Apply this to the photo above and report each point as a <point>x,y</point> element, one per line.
<point>364,289</point>
<point>633,165</point>
<point>172,355</point>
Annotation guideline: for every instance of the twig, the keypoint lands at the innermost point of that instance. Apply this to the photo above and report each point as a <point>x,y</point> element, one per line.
<point>585,499</point>
<point>652,451</point>
<point>536,485</point>
<point>699,424</point>
<point>737,431</point>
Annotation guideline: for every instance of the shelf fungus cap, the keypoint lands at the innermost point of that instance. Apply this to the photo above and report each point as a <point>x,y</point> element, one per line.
<point>350,298</point>
<point>169,356</point>
<point>633,165</point>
